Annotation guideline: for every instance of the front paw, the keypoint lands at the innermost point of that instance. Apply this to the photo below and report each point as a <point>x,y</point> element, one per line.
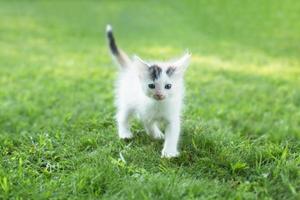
<point>125,135</point>
<point>169,153</point>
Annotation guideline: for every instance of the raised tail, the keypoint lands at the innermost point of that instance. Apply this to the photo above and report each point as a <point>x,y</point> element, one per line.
<point>118,54</point>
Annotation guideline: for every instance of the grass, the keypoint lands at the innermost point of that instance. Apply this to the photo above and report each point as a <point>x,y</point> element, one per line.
<point>241,124</point>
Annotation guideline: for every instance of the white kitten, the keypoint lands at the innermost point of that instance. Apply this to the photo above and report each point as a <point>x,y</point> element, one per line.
<point>153,91</point>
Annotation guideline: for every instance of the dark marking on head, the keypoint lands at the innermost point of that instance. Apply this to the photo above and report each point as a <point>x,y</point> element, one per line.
<point>170,71</point>
<point>155,72</point>
<point>112,43</point>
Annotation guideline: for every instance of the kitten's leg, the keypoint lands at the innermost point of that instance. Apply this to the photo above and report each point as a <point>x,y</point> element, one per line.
<point>152,129</point>
<point>157,134</point>
<point>123,116</point>
<point>171,139</point>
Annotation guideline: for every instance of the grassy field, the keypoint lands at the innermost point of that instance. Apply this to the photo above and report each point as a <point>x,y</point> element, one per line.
<point>241,123</point>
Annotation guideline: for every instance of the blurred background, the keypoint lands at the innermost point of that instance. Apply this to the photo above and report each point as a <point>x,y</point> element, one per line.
<point>245,67</point>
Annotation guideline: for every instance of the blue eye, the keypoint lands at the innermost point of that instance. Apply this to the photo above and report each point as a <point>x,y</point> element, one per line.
<point>168,86</point>
<point>151,86</point>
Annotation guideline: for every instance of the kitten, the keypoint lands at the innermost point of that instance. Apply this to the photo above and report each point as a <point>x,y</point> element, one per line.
<point>153,91</point>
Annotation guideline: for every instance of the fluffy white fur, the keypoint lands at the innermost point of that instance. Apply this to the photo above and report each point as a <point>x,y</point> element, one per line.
<point>152,106</point>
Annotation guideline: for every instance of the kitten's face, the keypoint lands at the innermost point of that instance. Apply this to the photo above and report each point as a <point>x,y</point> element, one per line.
<point>158,82</point>
<point>162,81</point>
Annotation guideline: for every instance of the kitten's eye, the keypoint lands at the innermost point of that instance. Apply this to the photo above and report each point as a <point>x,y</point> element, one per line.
<point>168,86</point>
<point>151,86</point>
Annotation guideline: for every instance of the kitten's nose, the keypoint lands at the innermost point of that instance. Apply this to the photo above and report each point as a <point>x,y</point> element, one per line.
<point>159,96</point>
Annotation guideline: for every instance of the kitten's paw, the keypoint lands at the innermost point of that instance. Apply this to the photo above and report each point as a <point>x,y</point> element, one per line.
<point>125,135</point>
<point>158,135</point>
<point>169,154</point>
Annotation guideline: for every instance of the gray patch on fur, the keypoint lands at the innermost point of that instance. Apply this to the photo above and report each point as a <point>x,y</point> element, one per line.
<point>170,71</point>
<point>155,72</point>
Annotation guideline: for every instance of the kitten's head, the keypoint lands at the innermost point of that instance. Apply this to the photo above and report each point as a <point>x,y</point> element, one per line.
<point>162,80</point>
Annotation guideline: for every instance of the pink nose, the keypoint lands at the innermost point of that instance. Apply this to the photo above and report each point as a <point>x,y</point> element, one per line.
<point>159,96</point>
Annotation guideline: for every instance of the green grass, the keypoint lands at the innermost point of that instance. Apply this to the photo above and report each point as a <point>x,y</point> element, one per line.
<point>241,124</point>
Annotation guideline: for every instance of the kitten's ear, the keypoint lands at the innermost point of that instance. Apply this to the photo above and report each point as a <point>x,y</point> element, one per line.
<point>140,64</point>
<point>182,63</point>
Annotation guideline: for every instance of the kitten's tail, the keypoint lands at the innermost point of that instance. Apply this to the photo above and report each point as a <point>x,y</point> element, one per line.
<point>118,54</point>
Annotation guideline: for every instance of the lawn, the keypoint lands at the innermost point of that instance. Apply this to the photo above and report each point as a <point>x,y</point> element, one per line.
<point>241,123</point>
